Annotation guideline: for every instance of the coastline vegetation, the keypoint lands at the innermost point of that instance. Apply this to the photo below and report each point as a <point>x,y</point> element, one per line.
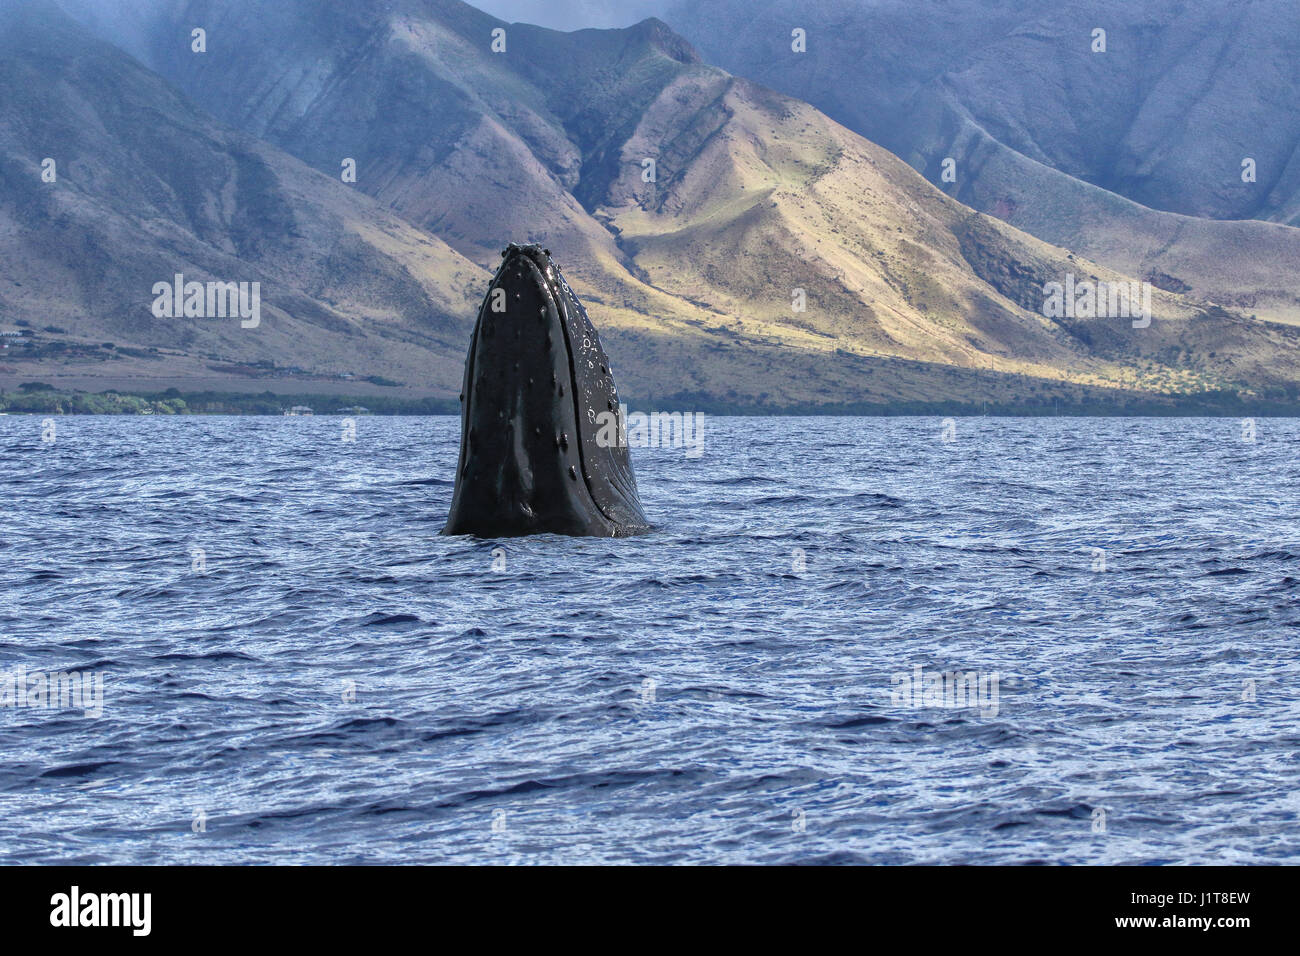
<point>38,398</point>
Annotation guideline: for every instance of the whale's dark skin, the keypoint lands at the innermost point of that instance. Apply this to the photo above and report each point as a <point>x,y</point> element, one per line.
<point>536,380</point>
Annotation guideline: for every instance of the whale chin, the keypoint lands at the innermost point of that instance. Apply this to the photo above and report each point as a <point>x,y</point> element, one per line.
<point>540,448</point>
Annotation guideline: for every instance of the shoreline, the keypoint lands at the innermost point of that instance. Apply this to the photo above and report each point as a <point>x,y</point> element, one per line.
<point>266,404</point>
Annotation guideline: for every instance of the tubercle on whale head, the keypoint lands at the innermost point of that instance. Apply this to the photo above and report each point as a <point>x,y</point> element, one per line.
<point>535,375</point>
<point>527,248</point>
<point>539,257</point>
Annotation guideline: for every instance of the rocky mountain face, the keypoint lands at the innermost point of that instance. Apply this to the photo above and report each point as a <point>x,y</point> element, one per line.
<point>1121,145</point>
<point>111,182</point>
<point>1156,101</point>
<point>734,245</point>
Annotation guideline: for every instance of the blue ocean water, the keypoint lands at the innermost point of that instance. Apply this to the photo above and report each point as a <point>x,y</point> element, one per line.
<point>298,669</point>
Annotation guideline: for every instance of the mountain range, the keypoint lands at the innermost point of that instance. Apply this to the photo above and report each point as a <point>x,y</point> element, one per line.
<point>735,246</point>
<point>1126,147</point>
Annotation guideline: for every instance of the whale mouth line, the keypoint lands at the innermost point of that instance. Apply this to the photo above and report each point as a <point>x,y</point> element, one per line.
<point>554,297</point>
<point>534,459</point>
<point>562,310</point>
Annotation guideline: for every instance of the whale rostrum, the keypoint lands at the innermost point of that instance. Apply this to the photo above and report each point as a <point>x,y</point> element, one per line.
<point>538,387</point>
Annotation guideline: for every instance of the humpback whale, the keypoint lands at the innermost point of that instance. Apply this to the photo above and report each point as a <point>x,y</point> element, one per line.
<point>538,387</point>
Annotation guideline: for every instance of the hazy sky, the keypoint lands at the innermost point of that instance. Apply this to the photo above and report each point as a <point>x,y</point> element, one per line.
<point>573,14</point>
<point>557,14</point>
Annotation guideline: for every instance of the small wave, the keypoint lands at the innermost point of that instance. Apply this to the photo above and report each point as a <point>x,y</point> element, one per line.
<point>378,619</point>
<point>213,656</point>
<point>79,769</point>
<point>742,480</point>
<point>868,720</point>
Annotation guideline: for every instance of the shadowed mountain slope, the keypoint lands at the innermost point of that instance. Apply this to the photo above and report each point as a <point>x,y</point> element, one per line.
<point>146,186</point>
<point>1126,156</point>
<point>773,257</point>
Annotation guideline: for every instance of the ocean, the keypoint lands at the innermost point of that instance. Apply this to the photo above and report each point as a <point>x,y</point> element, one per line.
<point>848,640</point>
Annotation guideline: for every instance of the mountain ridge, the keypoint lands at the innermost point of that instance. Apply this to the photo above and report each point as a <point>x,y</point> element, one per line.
<point>690,273</point>
<point>1099,153</point>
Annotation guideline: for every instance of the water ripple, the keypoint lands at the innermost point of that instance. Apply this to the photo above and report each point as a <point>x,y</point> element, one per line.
<point>294,656</point>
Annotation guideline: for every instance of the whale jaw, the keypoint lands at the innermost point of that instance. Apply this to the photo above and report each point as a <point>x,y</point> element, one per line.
<point>537,388</point>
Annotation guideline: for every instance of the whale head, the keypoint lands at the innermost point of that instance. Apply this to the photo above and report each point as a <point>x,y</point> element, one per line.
<point>538,407</point>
